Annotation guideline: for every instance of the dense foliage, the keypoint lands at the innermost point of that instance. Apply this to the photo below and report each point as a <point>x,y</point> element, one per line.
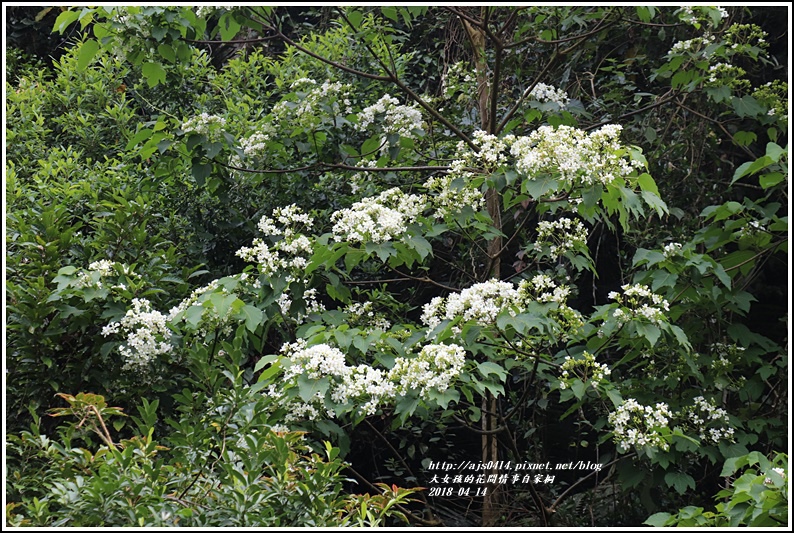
<point>281,263</point>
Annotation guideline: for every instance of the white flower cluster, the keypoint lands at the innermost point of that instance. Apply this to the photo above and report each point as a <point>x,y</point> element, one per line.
<point>694,15</point>
<point>365,384</point>
<point>721,73</point>
<point>147,334</point>
<point>482,302</point>
<point>210,320</point>
<point>704,413</point>
<point>290,253</point>
<point>96,271</point>
<point>573,155</point>
<point>255,144</point>
<point>638,301</point>
<point>561,235</point>
<point>315,104</point>
<point>378,219</point>
<point>548,93</point>
<point>434,368</point>
<point>363,314</point>
<point>400,119</point>
<point>544,289</point>
<point>452,193</point>
<point>588,370</point>
<point>672,249</point>
<point>457,78</point>
<point>697,46</point>
<point>205,124</point>
<point>638,425</point>
<point>310,302</point>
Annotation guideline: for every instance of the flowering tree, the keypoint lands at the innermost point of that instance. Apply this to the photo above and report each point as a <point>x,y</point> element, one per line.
<point>440,281</point>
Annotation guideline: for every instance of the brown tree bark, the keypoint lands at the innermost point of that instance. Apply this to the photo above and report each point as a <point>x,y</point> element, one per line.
<point>485,94</point>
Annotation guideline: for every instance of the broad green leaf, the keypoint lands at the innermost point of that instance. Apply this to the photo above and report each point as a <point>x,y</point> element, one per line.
<point>649,331</point>
<point>64,20</point>
<point>167,52</point>
<point>142,135</point>
<point>679,481</point>
<point>658,519</point>
<point>355,18</point>
<point>487,368</point>
<point>154,73</point>
<point>86,54</point>
<point>771,179</point>
<point>308,389</point>
<point>253,317</point>
<point>747,106</point>
<point>390,12</point>
<point>228,26</point>
<point>539,186</point>
<point>774,151</point>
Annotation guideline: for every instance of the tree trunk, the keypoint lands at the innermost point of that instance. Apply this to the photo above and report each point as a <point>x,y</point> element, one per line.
<point>490,449</point>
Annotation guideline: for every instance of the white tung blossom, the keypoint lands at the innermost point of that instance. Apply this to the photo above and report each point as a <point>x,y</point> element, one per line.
<point>640,425</point>
<point>98,270</point>
<point>288,254</point>
<point>704,416</point>
<point>638,301</point>
<point>548,93</point>
<point>365,387</point>
<point>205,124</point>
<point>400,119</point>
<point>378,219</point>
<point>586,368</point>
<point>573,155</point>
<point>313,104</point>
<point>481,302</point>
<point>147,334</point>
<point>561,235</point>
<point>436,366</point>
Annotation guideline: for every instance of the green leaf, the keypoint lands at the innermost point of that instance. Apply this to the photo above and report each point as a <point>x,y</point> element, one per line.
<point>142,135</point>
<point>679,481</point>
<point>649,331</point>
<point>390,12</point>
<point>154,73</point>
<point>87,52</point>
<point>309,388</point>
<point>770,180</point>
<point>228,26</point>
<point>537,187</point>
<point>647,183</point>
<point>193,315</point>
<point>355,18</point>
<point>651,257</point>
<point>201,171</point>
<point>167,52</point>
<point>222,302</point>
<point>266,360</point>
<point>774,151</point>
<point>747,106</point>
<point>663,278</point>
<point>658,519</point>
<point>579,388</point>
<point>64,20</point>
<point>744,138</point>
<point>487,368</point>
<point>253,317</point>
